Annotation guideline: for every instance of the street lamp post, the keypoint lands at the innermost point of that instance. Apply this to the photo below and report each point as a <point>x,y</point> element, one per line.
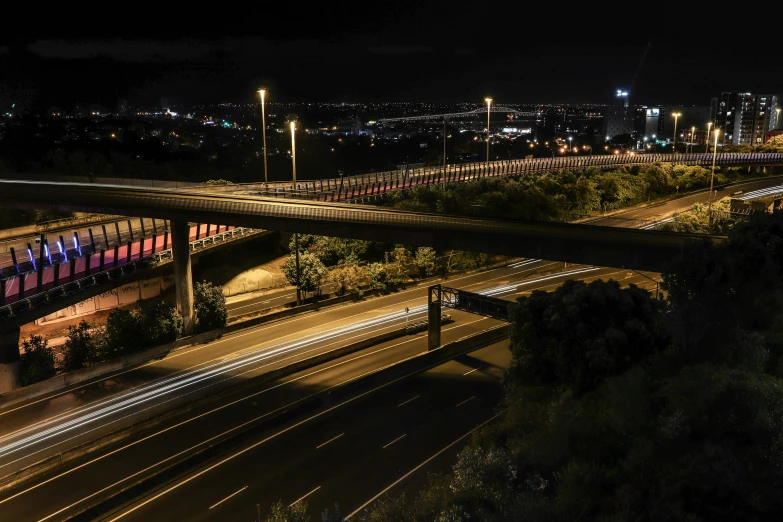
<point>693,140</point>
<point>296,234</point>
<point>712,177</point>
<point>489,103</point>
<point>674,142</point>
<point>570,138</point>
<point>707,143</point>
<point>444,152</point>
<point>261,93</point>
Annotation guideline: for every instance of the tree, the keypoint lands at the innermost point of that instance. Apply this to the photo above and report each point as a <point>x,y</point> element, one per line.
<point>311,271</point>
<point>122,334</point>
<point>348,278</point>
<point>37,360</point>
<point>282,513</point>
<point>161,323</point>
<point>210,306</point>
<point>580,334</point>
<point>377,275</point>
<point>398,260</point>
<point>425,260</point>
<point>80,347</point>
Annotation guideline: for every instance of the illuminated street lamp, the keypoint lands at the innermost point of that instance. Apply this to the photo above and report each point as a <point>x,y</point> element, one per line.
<point>674,138</point>
<point>489,103</point>
<point>293,148</point>
<point>569,141</point>
<point>693,133</point>
<point>296,234</point>
<point>261,93</point>
<point>712,177</point>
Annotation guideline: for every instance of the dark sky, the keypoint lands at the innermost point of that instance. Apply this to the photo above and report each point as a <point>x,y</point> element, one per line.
<point>355,51</point>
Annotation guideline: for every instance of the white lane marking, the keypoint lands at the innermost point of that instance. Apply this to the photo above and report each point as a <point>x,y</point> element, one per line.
<point>417,468</point>
<point>463,402</point>
<point>228,497</point>
<point>328,441</point>
<point>395,440</point>
<point>470,371</point>
<point>225,432</point>
<point>409,400</point>
<point>295,502</point>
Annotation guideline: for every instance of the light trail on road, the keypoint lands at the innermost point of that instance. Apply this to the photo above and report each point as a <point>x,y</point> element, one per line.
<point>90,414</point>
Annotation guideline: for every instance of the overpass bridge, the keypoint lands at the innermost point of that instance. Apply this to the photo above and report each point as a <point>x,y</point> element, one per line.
<point>241,206</point>
<point>480,112</point>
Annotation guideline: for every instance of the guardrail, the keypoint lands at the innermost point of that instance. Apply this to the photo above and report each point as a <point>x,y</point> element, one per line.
<point>361,186</point>
<point>112,274</point>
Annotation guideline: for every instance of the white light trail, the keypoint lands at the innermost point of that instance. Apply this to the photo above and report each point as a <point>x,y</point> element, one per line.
<point>90,414</point>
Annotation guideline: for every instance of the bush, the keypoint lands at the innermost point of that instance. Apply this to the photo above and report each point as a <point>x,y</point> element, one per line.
<point>348,278</point>
<point>210,306</point>
<point>425,260</point>
<point>37,360</point>
<point>161,323</point>
<point>282,513</point>
<point>376,273</point>
<point>80,347</point>
<point>123,334</point>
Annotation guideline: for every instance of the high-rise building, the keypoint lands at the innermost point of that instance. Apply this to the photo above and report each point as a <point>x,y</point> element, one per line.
<point>649,122</point>
<point>743,117</point>
<point>775,108</point>
<point>618,116</point>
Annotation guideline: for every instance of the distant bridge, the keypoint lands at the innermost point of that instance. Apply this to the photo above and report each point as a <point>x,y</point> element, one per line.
<point>453,115</point>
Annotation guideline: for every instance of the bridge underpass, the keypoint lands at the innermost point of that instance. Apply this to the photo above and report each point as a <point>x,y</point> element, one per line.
<point>102,280</point>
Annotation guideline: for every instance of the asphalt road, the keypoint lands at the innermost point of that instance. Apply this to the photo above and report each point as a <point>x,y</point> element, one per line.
<point>639,217</point>
<point>47,426</point>
<point>347,455</point>
<point>198,425</point>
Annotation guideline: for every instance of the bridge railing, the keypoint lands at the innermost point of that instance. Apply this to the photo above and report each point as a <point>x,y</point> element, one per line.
<point>114,273</point>
<point>357,187</point>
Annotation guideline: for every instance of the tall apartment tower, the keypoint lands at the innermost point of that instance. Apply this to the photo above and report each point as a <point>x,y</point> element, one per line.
<point>618,117</point>
<point>743,117</point>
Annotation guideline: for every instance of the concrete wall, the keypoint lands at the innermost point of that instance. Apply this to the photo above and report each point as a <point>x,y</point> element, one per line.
<point>124,295</point>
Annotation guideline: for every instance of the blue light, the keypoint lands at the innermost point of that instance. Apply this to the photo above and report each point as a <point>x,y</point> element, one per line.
<point>46,250</point>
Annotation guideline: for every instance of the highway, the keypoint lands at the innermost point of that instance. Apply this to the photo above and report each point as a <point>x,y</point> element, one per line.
<point>346,456</point>
<point>204,370</point>
<point>641,217</point>
<point>197,425</point>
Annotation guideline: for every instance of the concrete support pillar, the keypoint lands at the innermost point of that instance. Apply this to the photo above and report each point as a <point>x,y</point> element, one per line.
<point>183,278</point>
<point>10,367</point>
<point>433,317</point>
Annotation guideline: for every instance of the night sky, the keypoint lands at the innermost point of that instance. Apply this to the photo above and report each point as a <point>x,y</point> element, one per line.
<point>348,52</point>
